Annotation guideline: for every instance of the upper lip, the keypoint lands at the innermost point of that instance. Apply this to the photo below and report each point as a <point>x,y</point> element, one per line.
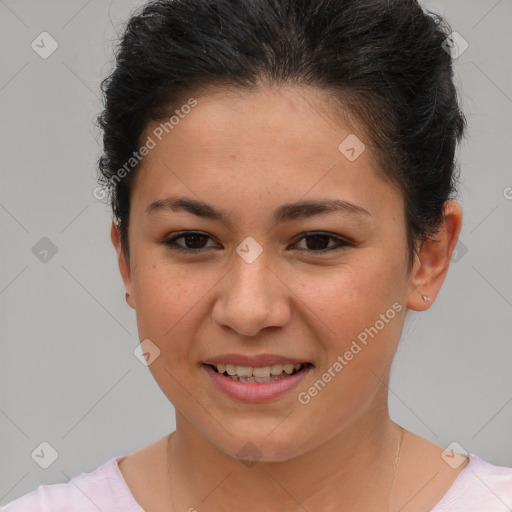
<point>257,361</point>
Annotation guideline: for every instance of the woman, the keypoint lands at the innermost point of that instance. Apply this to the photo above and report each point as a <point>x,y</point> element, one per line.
<point>282,178</point>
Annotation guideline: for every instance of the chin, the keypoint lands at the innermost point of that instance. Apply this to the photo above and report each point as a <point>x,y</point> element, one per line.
<point>260,448</point>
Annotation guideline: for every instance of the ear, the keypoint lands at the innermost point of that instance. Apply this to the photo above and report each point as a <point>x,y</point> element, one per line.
<point>433,261</point>
<point>123,262</point>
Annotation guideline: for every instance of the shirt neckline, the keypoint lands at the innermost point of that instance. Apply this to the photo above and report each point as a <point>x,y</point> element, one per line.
<point>127,491</point>
<point>453,490</point>
<point>458,484</point>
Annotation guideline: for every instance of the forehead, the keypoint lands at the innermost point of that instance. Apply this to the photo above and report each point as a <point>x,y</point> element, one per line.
<point>273,141</point>
<point>279,123</point>
<point>249,120</point>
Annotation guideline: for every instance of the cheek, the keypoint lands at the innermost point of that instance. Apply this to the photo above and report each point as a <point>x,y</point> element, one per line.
<point>351,296</point>
<point>358,314</point>
<point>164,291</point>
<point>173,303</point>
<point>168,305</point>
<point>163,296</point>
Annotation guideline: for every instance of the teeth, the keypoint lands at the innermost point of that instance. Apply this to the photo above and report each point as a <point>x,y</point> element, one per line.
<point>262,372</point>
<point>288,368</point>
<point>244,371</point>
<point>276,369</point>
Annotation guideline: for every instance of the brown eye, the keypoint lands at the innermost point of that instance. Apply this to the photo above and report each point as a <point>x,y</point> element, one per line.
<point>319,242</point>
<point>194,241</point>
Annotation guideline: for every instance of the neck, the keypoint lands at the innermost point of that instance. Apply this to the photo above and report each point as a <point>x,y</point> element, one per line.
<point>336,475</point>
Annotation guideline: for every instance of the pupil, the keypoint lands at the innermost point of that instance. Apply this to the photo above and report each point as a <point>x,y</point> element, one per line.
<point>316,238</point>
<point>194,237</point>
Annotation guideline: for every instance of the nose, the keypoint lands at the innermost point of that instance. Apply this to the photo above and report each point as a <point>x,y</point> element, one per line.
<point>251,298</point>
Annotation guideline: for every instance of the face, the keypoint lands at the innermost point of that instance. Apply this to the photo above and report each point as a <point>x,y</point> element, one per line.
<point>326,288</point>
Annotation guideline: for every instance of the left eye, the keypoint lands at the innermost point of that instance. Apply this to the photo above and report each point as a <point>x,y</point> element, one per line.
<point>194,242</point>
<point>320,241</point>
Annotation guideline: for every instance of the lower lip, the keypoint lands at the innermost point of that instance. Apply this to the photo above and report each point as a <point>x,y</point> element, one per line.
<point>255,391</point>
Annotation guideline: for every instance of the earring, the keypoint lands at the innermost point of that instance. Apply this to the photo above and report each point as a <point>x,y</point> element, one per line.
<point>426,298</point>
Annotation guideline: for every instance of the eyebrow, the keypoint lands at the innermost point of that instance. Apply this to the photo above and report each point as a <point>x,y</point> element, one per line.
<point>285,213</point>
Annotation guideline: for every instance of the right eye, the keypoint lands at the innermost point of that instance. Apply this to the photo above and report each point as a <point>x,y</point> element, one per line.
<point>194,241</point>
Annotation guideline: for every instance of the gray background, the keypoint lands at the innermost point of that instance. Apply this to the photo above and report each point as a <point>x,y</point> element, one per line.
<point>68,375</point>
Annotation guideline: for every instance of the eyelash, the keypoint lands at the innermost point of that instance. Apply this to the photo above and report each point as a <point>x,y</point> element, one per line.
<point>171,242</point>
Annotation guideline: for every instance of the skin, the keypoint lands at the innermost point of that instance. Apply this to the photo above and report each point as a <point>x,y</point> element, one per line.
<point>248,153</point>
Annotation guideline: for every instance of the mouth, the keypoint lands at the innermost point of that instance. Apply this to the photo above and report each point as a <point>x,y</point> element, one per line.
<point>262,374</point>
<point>256,383</point>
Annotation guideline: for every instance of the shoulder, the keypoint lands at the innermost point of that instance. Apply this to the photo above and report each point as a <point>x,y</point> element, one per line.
<point>102,489</point>
<point>480,486</point>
